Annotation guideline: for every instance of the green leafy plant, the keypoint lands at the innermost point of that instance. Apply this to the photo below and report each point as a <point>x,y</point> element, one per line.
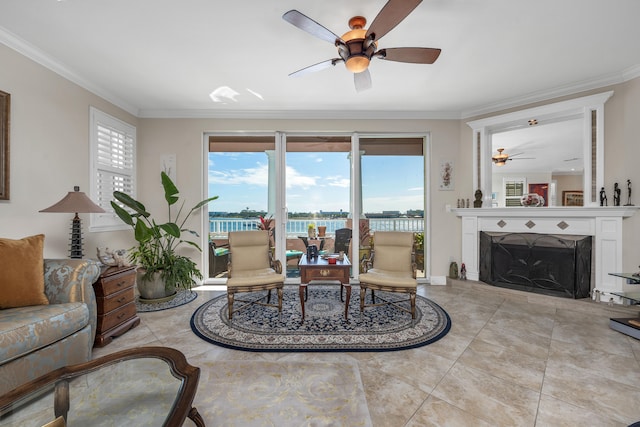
<point>157,243</point>
<point>419,241</point>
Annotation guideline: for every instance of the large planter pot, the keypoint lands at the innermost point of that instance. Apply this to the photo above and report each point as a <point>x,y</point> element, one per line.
<point>154,290</point>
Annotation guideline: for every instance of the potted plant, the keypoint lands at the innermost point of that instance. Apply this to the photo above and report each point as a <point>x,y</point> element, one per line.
<point>160,268</point>
<point>366,241</point>
<point>419,244</point>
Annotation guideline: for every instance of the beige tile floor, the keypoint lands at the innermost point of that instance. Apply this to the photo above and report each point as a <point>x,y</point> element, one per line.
<point>510,359</point>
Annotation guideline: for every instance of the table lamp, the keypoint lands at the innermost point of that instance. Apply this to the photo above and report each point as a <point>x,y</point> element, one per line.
<point>74,202</point>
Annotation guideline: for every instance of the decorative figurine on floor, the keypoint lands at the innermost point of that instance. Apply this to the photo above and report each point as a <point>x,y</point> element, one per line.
<point>453,270</point>
<point>616,195</point>
<point>463,272</point>
<point>603,197</point>
<point>477,203</point>
<point>629,193</point>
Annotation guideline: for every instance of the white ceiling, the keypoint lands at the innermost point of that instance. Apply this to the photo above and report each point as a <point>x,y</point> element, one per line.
<point>160,58</point>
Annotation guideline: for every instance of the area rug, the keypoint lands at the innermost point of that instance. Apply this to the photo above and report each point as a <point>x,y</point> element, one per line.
<point>183,297</point>
<point>259,328</point>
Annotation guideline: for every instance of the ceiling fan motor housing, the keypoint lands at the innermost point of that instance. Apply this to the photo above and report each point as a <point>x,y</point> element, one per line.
<point>357,50</point>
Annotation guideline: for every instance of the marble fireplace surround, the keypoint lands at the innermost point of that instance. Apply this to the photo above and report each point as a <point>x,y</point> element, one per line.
<point>604,223</point>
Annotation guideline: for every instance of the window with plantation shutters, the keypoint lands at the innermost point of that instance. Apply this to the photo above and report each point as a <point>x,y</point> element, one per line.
<point>513,191</point>
<point>113,149</point>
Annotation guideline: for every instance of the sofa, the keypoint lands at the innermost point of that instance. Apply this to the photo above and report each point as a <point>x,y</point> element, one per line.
<point>40,335</point>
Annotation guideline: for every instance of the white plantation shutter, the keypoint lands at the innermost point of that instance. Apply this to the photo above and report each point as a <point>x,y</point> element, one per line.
<point>113,149</point>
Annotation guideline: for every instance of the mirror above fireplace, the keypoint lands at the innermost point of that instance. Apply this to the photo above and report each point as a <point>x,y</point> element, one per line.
<point>571,132</point>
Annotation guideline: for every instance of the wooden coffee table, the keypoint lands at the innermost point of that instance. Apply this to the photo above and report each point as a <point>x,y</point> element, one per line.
<point>140,386</point>
<point>319,269</point>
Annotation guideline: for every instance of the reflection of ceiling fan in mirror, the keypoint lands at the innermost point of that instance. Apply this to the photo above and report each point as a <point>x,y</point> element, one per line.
<point>501,158</point>
<point>359,46</point>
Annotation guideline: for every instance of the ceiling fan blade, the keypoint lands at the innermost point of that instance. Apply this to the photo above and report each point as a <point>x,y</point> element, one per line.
<point>391,15</point>
<point>310,26</point>
<point>315,67</point>
<point>362,80</point>
<point>414,55</point>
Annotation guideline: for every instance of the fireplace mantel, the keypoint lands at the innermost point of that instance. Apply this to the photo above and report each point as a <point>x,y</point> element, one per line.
<point>602,222</point>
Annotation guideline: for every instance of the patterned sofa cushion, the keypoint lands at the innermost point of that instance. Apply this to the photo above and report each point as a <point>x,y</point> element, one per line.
<point>27,329</point>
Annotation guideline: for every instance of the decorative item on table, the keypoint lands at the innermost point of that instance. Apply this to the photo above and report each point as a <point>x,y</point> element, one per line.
<point>603,197</point>
<point>629,193</point>
<point>116,258</point>
<point>531,200</point>
<point>312,252</point>
<point>332,259</point>
<point>311,230</point>
<point>322,230</point>
<point>75,202</point>
<point>477,203</point>
<point>616,194</point>
<point>341,256</point>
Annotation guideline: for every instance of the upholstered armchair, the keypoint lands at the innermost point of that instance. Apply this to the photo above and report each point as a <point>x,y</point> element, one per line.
<point>391,268</point>
<point>252,269</point>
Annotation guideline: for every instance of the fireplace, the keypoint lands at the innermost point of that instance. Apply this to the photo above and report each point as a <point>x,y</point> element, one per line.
<point>558,265</point>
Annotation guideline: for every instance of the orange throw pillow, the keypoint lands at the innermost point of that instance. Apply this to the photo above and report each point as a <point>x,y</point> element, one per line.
<point>22,272</point>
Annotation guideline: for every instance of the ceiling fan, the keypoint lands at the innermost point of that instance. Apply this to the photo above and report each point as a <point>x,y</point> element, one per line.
<point>357,47</point>
<point>501,158</point>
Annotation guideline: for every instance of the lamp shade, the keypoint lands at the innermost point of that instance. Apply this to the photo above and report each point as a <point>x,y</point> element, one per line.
<point>74,202</point>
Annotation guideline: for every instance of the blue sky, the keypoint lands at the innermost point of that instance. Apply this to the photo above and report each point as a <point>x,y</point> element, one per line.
<point>316,181</point>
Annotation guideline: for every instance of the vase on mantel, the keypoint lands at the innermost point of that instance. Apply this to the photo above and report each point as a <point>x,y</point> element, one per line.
<point>532,200</point>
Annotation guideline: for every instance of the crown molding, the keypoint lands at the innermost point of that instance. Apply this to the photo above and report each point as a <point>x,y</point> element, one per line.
<point>25,48</point>
<point>299,114</point>
<point>546,95</point>
<point>32,52</point>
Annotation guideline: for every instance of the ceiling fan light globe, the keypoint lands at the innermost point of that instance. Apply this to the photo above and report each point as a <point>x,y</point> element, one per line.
<point>358,33</point>
<point>357,64</point>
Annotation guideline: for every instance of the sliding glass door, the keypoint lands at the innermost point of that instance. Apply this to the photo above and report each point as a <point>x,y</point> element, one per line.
<point>304,187</point>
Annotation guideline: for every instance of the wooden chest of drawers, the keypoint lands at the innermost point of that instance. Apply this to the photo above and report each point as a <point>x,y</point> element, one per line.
<point>115,298</point>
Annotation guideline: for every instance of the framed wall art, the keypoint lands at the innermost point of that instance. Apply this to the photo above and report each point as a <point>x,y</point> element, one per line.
<point>5,106</point>
<point>445,177</point>
<point>541,190</point>
<point>572,198</point>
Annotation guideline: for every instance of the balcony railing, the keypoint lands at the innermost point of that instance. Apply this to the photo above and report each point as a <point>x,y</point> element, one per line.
<point>219,227</point>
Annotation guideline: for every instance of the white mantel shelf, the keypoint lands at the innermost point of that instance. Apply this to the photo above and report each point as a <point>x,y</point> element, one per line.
<point>551,211</point>
<point>602,222</point>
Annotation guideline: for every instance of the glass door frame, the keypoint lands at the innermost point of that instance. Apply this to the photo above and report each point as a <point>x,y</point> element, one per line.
<point>281,212</point>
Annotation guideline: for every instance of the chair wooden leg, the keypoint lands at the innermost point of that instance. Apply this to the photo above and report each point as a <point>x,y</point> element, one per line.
<point>363,292</point>
<point>268,296</point>
<point>230,304</point>
<point>280,294</point>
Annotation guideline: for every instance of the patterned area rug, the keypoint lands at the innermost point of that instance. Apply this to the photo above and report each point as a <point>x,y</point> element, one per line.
<point>183,297</point>
<point>259,328</point>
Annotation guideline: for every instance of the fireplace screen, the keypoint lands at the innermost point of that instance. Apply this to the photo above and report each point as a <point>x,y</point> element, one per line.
<point>542,263</point>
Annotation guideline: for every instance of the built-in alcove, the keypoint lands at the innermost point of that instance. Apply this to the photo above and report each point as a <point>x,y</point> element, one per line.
<point>541,263</point>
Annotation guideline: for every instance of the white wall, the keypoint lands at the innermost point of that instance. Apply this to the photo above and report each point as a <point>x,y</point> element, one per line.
<point>49,143</point>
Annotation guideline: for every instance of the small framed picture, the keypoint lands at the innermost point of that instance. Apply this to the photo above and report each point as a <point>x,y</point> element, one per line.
<point>572,198</point>
<point>446,177</point>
